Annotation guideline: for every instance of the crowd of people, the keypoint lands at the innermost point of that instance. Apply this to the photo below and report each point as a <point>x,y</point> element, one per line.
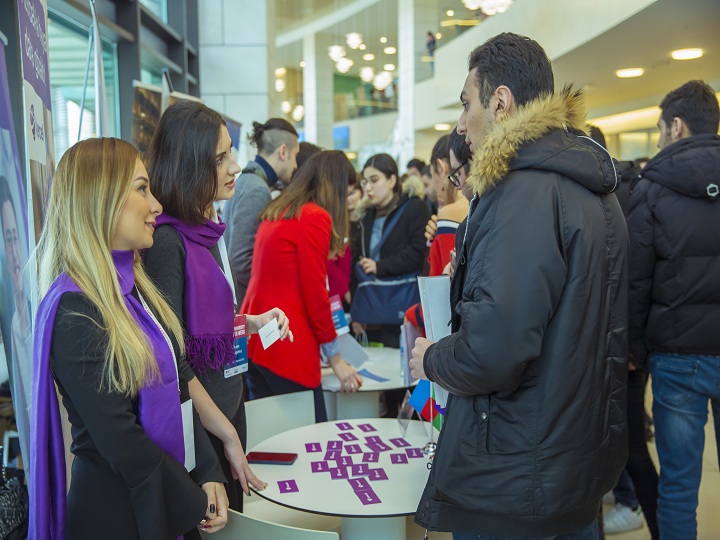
<point>563,301</point>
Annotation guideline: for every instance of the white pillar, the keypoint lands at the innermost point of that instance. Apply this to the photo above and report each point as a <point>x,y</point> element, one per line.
<point>318,97</point>
<point>415,19</point>
<point>237,49</point>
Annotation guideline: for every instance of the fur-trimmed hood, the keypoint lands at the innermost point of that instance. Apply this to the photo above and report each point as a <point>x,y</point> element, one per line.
<point>554,123</point>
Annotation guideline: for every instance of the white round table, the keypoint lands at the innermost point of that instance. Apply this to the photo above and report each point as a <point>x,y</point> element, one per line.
<point>365,403</point>
<point>375,496</point>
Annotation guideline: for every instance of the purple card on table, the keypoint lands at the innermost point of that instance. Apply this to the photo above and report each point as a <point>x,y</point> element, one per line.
<point>340,473</point>
<point>414,452</point>
<point>400,442</point>
<point>288,486</point>
<point>344,461</point>
<point>366,428</point>
<point>319,466</point>
<point>313,447</point>
<point>332,454</point>
<point>370,457</point>
<point>398,458</point>
<point>368,496</point>
<point>377,474</point>
<point>344,426</point>
<point>373,438</point>
<point>360,469</point>
<point>353,449</point>
<point>334,445</point>
<point>359,483</point>
<point>349,437</point>
<point>378,447</point>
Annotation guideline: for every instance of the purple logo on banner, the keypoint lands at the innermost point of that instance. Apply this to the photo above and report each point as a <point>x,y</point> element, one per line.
<point>33,40</point>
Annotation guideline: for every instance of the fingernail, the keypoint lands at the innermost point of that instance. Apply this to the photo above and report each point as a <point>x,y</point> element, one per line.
<point>212,508</point>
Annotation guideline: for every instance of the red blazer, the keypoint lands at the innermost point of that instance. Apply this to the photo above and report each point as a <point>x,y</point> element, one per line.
<point>289,271</point>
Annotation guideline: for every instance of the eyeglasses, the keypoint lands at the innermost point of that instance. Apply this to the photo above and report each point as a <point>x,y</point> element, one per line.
<point>454,180</point>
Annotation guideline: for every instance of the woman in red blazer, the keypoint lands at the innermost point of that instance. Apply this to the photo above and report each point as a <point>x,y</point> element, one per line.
<point>299,230</point>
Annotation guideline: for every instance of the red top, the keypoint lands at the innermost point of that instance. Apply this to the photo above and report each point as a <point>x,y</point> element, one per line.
<point>289,271</point>
<point>339,270</point>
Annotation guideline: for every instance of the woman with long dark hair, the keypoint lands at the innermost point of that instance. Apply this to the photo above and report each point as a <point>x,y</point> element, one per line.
<point>299,230</point>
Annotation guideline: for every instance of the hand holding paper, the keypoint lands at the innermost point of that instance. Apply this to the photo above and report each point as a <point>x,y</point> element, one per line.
<point>256,322</point>
<point>417,369</point>
<point>350,381</point>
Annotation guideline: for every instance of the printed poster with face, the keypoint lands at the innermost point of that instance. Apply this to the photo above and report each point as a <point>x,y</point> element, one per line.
<point>15,312</point>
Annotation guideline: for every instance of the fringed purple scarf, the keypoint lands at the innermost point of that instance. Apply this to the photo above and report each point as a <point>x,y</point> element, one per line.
<point>159,404</point>
<point>209,307</point>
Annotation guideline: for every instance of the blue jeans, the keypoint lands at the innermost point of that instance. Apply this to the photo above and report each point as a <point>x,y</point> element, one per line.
<point>625,491</point>
<point>589,532</point>
<point>682,386</point>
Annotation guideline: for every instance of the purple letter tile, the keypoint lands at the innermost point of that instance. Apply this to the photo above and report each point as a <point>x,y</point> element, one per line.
<point>370,457</point>
<point>353,449</point>
<point>373,438</point>
<point>368,496</point>
<point>349,437</point>
<point>414,452</point>
<point>288,486</point>
<point>313,447</point>
<point>366,428</point>
<point>344,426</point>
<point>398,458</point>
<point>339,473</point>
<point>332,454</point>
<point>400,442</point>
<point>344,461</point>
<point>359,483</point>
<point>360,469</point>
<point>319,466</point>
<point>334,445</point>
<point>377,474</point>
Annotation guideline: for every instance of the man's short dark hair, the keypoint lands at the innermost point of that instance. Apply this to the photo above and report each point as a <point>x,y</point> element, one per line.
<point>460,148</point>
<point>269,136</point>
<point>695,104</point>
<point>417,163</point>
<point>440,151</point>
<point>514,61</point>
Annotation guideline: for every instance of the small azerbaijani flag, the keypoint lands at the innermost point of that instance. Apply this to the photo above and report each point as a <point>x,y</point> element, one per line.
<point>423,401</point>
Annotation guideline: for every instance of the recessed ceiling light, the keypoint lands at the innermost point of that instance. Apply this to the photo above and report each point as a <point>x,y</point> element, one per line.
<point>280,72</point>
<point>442,127</point>
<point>449,13</point>
<point>629,72</point>
<point>302,64</point>
<point>686,54</point>
<point>362,47</point>
<point>389,50</point>
<point>438,36</point>
<point>389,67</point>
<point>383,39</point>
<point>351,155</point>
<point>368,57</point>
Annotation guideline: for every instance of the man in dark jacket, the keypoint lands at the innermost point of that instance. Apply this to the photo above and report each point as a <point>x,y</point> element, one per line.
<point>536,365</point>
<point>674,227</point>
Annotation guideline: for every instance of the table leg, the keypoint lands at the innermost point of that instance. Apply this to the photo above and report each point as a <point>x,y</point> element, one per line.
<point>358,405</point>
<point>331,405</point>
<point>392,528</point>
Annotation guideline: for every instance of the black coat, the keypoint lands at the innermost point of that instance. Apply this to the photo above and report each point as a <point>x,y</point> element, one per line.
<point>534,432</point>
<point>674,226</point>
<point>123,485</point>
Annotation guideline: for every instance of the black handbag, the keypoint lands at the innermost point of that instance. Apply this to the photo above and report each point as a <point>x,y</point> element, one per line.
<point>14,507</point>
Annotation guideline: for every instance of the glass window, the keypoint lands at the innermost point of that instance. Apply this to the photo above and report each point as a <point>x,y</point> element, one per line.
<point>158,7</point>
<point>68,50</point>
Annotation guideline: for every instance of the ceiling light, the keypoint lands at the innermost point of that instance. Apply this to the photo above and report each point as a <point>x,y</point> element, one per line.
<point>442,127</point>
<point>286,107</point>
<point>389,50</point>
<point>389,67</point>
<point>336,52</point>
<point>383,39</point>
<point>354,40</point>
<point>343,65</point>
<point>298,113</point>
<point>686,54</point>
<point>351,155</point>
<point>369,57</point>
<point>438,36</point>
<point>367,73</point>
<point>279,85</point>
<point>362,47</point>
<point>280,72</point>
<point>488,7</point>
<point>302,64</point>
<point>629,72</point>
<point>382,80</point>
<point>449,13</point>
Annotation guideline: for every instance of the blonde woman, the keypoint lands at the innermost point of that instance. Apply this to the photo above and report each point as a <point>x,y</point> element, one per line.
<point>115,350</point>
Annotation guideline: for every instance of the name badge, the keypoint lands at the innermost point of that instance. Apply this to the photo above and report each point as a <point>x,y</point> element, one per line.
<point>240,364</point>
<point>338,315</point>
<point>188,434</point>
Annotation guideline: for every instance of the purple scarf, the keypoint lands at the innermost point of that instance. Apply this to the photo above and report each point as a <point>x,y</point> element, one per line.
<point>159,404</point>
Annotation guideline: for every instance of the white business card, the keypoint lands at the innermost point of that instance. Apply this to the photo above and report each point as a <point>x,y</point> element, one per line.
<point>269,333</point>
